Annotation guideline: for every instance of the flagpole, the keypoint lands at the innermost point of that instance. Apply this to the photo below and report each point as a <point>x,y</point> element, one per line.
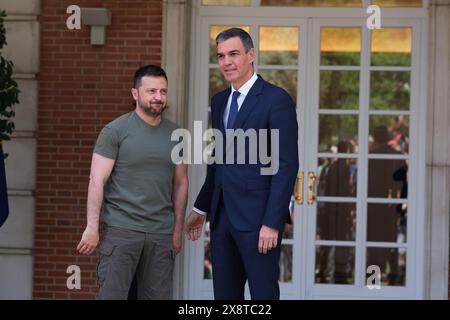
<point>4,207</point>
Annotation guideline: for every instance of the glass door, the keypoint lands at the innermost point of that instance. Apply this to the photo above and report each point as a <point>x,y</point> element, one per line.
<point>362,116</point>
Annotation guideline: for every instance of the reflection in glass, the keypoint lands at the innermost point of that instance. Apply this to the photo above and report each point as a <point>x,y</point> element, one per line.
<point>226,2</point>
<point>337,176</point>
<point>390,90</point>
<point>206,229</point>
<point>398,3</point>
<point>288,232</point>
<point>334,129</point>
<point>380,139</point>
<point>285,263</point>
<point>209,123</point>
<point>339,89</point>
<point>336,221</point>
<point>286,79</point>
<point>397,133</point>
<point>386,222</point>
<point>335,265</point>
<point>213,33</point>
<point>392,264</point>
<point>217,83</point>
<point>340,46</point>
<point>391,47</point>
<point>278,45</point>
<point>382,182</point>
<point>313,3</point>
<point>207,262</point>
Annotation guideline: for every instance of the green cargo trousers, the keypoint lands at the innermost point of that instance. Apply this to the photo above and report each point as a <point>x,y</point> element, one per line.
<point>124,253</point>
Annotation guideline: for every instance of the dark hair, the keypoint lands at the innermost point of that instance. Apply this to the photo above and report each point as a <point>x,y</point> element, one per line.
<point>381,134</point>
<point>148,71</point>
<point>343,146</point>
<point>236,32</point>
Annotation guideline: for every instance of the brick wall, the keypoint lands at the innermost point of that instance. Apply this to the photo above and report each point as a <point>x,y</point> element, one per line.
<point>81,88</point>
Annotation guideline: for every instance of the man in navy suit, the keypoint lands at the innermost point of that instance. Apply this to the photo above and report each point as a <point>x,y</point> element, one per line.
<point>247,210</point>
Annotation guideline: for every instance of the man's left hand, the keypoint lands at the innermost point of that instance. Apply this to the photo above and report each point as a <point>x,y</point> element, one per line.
<point>268,239</point>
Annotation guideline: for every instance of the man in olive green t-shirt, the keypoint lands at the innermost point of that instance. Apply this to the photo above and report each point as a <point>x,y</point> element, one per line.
<point>143,193</point>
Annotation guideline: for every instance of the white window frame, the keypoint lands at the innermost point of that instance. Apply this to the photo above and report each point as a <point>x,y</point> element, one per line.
<point>415,226</point>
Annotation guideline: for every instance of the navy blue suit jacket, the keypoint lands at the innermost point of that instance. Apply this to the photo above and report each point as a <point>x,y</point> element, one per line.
<point>252,199</point>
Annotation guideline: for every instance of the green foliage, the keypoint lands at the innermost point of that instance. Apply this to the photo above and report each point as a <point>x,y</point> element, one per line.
<point>391,59</point>
<point>340,58</point>
<point>280,58</point>
<point>339,89</point>
<point>336,128</point>
<point>390,90</point>
<point>217,83</point>
<point>9,91</point>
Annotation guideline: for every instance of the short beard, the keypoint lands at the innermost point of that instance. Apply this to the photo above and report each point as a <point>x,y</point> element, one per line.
<point>149,110</point>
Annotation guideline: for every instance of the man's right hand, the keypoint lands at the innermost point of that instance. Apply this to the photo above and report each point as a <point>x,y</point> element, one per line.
<point>194,225</point>
<point>89,241</point>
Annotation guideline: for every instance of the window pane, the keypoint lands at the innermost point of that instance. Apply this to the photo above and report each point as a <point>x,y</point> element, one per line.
<point>333,129</point>
<point>213,33</point>
<point>339,89</point>
<point>335,265</point>
<point>226,2</point>
<point>278,45</point>
<point>207,230</point>
<point>312,3</point>
<point>391,47</point>
<point>286,79</point>
<point>383,178</point>
<point>217,83</point>
<point>387,133</point>
<point>288,232</point>
<point>337,177</point>
<point>336,221</point>
<point>398,3</point>
<point>285,263</point>
<point>340,46</point>
<point>386,222</point>
<point>390,90</point>
<point>392,264</point>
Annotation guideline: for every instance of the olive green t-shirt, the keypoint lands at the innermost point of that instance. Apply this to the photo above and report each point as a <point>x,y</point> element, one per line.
<point>138,193</point>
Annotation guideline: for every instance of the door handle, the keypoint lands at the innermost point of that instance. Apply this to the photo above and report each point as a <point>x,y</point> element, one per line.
<point>298,195</point>
<point>311,188</point>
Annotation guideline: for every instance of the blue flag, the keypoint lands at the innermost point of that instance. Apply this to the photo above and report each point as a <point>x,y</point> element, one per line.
<point>4,210</point>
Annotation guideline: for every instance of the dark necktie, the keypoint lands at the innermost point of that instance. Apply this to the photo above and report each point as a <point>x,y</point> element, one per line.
<point>233,110</point>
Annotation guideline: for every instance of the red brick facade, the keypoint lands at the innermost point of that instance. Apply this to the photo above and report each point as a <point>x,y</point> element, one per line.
<point>81,88</point>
